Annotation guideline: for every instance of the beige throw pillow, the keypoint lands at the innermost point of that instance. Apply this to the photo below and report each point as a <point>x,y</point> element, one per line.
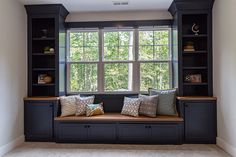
<point>68,105</point>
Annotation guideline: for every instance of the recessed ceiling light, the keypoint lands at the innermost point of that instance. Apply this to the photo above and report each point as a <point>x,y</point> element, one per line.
<point>120,3</point>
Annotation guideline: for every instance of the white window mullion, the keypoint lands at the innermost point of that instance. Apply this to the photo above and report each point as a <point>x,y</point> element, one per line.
<point>67,64</point>
<point>100,81</point>
<point>170,74</point>
<point>130,66</point>
<point>68,78</point>
<point>171,60</point>
<point>136,64</point>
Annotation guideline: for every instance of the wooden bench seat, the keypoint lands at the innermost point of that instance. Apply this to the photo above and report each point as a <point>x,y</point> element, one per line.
<point>112,127</point>
<point>113,117</point>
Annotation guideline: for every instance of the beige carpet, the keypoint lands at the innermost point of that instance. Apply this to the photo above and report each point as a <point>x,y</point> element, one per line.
<point>109,150</point>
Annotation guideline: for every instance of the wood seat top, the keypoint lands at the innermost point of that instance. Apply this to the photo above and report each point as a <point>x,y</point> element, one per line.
<point>113,117</point>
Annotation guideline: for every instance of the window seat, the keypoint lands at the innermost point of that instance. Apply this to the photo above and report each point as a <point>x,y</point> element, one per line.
<point>112,127</point>
<point>113,117</point>
<point>117,128</point>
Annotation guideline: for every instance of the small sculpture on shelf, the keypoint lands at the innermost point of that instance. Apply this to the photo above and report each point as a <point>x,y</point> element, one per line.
<point>48,50</point>
<point>189,46</point>
<point>193,78</point>
<point>187,78</point>
<point>41,78</point>
<point>48,79</point>
<point>195,28</point>
<point>44,79</point>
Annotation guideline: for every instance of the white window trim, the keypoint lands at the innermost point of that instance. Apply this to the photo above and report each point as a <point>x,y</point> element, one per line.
<point>135,62</point>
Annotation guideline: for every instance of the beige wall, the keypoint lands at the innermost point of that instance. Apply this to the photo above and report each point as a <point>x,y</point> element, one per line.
<point>224,48</point>
<point>118,16</point>
<point>12,71</point>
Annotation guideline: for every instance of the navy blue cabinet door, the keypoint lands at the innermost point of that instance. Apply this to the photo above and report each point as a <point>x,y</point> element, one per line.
<point>200,122</point>
<point>71,132</point>
<point>165,133</point>
<point>132,133</point>
<point>38,121</point>
<point>102,132</point>
<point>75,132</point>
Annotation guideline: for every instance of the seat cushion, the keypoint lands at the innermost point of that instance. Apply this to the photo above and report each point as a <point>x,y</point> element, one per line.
<point>117,117</point>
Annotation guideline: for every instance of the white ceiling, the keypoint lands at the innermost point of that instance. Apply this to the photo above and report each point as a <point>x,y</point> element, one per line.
<point>105,5</point>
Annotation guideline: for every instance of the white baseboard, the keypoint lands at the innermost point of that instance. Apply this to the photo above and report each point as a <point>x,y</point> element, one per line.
<point>226,146</point>
<point>11,145</point>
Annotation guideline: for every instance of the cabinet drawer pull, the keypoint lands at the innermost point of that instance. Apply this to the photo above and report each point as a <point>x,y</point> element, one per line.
<point>86,126</point>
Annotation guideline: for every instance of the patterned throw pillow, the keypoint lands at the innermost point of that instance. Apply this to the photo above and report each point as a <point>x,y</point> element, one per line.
<point>148,106</point>
<point>131,106</point>
<point>81,103</point>
<point>68,105</point>
<point>94,109</point>
<point>166,101</point>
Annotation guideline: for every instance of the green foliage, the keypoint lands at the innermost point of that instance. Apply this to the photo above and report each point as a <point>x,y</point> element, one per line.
<point>154,75</point>
<point>153,45</point>
<point>83,77</point>
<point>84,46</point>
<point>118,46</point>
<point>116,77</point>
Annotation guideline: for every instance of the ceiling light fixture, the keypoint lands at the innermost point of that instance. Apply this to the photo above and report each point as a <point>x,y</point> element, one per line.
<point>120,3</point>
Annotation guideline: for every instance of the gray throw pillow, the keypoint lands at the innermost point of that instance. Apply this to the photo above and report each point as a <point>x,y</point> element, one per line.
<point>81,103</point>
<point>131,107</point>
<point>148,106</point>
<point>166,101</point>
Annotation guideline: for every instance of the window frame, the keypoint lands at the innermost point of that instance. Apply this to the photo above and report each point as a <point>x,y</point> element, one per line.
<point>169,61</point>
<point>69,63</point>
<point>115,29</point>
<point>136,62</point>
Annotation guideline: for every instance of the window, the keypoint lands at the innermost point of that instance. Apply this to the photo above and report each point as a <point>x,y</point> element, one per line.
<point>83,57</point>
<point>118,50</point>
<point>112,59</point>
<point>155,58</point>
